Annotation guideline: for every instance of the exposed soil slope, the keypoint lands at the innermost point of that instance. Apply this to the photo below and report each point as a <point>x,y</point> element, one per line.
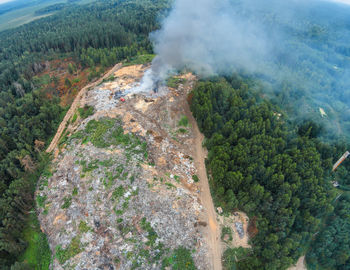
<point>74,107</point>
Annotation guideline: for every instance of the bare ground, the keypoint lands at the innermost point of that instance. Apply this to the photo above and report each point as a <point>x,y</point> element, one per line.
<point>75,105</point>
<point>213,232</point>
<point>300,265</point>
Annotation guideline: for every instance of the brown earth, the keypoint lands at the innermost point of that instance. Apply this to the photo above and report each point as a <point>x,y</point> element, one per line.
<point>74,107</point>
<point>213,234</point>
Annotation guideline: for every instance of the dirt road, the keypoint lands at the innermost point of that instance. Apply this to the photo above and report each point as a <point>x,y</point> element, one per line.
<point>300,264</point>
<point>75,105</point>
<point>213,236</point>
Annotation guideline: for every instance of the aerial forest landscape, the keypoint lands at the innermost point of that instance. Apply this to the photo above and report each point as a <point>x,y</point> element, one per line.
<point>175,134</point>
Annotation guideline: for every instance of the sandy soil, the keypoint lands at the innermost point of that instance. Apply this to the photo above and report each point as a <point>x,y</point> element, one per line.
<point>213,235</point>
<point>75,105</point>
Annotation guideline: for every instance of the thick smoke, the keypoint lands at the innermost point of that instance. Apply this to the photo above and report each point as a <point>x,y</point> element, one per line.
<point>297,49</point>
<point>209,37</point>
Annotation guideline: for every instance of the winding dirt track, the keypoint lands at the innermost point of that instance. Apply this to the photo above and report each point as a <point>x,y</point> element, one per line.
<point>213,236</point>
<point>75,105</point>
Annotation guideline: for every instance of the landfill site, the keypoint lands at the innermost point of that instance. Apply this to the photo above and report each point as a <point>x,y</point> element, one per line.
<point>129,205</point>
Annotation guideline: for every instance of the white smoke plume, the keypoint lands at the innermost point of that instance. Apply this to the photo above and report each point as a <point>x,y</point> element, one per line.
<point>207,36</point>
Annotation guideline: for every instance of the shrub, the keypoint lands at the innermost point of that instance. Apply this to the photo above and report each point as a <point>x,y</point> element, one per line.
<point>86,111</point>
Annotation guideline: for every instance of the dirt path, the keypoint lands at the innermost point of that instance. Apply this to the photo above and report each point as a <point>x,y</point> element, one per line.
<point>75,105</point>
<point>213,236</point>
<point>300,264</point>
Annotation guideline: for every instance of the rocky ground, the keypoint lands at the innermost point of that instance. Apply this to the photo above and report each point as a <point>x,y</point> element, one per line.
<point>121,194</point>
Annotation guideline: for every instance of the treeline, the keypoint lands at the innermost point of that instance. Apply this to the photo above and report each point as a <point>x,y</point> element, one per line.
<point>25,124</point>
<point>98,34</point>
<point>259,165</point>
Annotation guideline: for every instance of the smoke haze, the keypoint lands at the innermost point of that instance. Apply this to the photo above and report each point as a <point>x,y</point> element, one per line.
<point>209,37</point>
<point>298,49</point>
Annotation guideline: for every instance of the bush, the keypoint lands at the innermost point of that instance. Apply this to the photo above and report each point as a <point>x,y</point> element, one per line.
<point>67,202</point>
<point>183,121</point>
<point>195,178</point>
<point>226,231</point>
<point>73,249</point>
<point>86,111</point>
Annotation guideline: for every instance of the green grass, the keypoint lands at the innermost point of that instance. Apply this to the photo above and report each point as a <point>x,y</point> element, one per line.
<point>107,132</point>
<point>152,235</point>
<point>140,60</point>
<point>183,122</point>
<point>195,178</point>
<point>75,116</point>
<point>181,259</point>
<point>86,111</point>
<point>75,192</point>
<point>170,185</point>
<point>174,82</point>
<point>83,227</point>
<point>226,231</point>
<point>109,79</point>
<point>67,202</point>
<point>231,254</point>
<point>64,254</point>
<point>40,200</point>
<point>182,130</point>
<point>118,193</point>
<point>37,254</point>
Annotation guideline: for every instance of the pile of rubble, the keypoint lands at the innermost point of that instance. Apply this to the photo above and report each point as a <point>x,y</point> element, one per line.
<point>129,204</point>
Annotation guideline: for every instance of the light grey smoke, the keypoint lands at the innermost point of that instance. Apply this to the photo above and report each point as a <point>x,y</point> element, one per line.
<point>297,49</point>
<point>208,36</point>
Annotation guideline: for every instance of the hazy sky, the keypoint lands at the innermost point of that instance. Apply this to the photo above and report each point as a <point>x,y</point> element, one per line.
<point>4,1</point>
<point>340,1</point>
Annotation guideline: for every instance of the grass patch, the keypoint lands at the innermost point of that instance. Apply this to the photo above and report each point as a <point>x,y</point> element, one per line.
<point>118,193</point>
<point>179,260</point>
<point>174,82</point>
<point>67,201</point>
<point>106,163</point>
<point>37,254</point>
<point>40,200</point>
<point>109,79</point>
<point>74,118</point>
<point>170,185</point>
<point>195,178</point>
<point>86,111</point>
<point>91,166</point>
<point>183,122</point>
<point>83,227</point>
<point>75,192</point>
<point>64,254</point>
<point>107,132</point>
<point>226,231</point>
<point>139,60</point>
<point>152,235</point>
<point>182,130</point>
<point>231,254</point>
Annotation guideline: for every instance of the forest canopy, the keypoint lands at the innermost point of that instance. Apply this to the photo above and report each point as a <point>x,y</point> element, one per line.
<point>259,165</point>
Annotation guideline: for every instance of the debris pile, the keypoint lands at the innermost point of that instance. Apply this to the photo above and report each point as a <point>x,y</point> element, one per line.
<point>120,193</point>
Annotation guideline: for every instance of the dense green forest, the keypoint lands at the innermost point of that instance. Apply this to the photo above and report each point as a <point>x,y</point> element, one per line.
<point>277,174</point>
<point>99,34</point>
<point>330,249</point>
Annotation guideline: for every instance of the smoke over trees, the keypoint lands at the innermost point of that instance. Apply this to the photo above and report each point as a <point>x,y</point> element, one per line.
<point>297,49</point>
